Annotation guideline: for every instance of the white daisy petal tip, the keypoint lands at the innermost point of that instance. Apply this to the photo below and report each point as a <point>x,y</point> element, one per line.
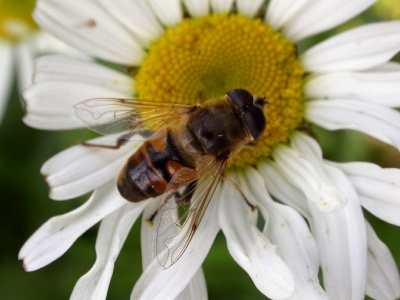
<point>251,249</point>
<point>299,170</point>
<point>281,188</point>
<point>260,260</point>
<point>286,287</point>
<point>380,122</point>
<point>83,70</point>
<point>57,235</point>
<point>342,242</point>
<point>89,28</point>
<point>377,86</point>
<point>331,199</point>
<point>378,189</point>
<point>69,175</point>
<point>361,48</point>
<point>59,98</point>
<point>111,236</point>
<point>289,231</point>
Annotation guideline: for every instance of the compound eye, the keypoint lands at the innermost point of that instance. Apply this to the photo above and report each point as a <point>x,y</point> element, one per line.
<point>242,98</point>
<point>255,120</point>
<point>252,110</point>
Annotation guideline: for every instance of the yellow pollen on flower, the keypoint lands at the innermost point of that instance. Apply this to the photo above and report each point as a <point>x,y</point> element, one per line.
<point>15,18</point>
<point>217,53</point>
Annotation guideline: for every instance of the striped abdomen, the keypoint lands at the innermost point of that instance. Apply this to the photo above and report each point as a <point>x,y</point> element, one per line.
<point>148,171</point>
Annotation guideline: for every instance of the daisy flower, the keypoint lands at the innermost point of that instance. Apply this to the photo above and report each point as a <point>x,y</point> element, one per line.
<point>20,42</point>
<point>312,207</point>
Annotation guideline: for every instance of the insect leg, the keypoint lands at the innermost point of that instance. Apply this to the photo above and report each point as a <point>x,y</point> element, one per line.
<point>187,194</point>
<point>120,142</point>
<point>181,199</point>
<point>235,186</point>
<point>151,219</point>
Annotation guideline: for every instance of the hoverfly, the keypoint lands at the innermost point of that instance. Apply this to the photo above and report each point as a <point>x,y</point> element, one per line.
<point>183,158</point>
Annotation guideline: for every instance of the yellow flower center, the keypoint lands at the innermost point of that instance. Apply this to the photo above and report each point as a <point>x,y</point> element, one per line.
<point>387,9</point>
<point>15,18</point>
<point>217,53</point>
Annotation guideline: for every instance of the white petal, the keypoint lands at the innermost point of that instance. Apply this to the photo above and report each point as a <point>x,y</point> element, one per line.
<point>80,169</point>
<point>302,173</point>
<point>159,283</point>
<point>197,8</point>
<point>57,68</point>
<point>58,234</point>
<point>280,12</point>
<point>379,189</point>
<point>383,276</point>
<point>318,16</point>
<point>379,122</point>
<point>378,87</point>
<point>147,233</point>
<point>281,188</point>
<point>86,26</point>
<point>111,236</point>
<point>390,66</point>
<point>289,231</point>
<point>357,49</point>
<point>137,16</point>
<point>221,6</point>
<point>169,12</point>
<point>6,74</point>
<point>250,248</point>
<point>34,46</point>
<point>25,58</point>
<point>340,235</point>
<point>196,289</point>
<point>342,243</point>
<point>44,43</point>
<point>49,104</point>
<point>309,149</point>
<point>249,8</point>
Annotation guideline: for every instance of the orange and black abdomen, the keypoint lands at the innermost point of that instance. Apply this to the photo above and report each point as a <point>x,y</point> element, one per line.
<point>148,171</point>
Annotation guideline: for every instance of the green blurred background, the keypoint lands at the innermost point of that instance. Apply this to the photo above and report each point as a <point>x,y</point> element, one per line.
<point>25,205</point>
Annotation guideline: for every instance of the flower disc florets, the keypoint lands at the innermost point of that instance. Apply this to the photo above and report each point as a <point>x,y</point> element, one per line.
<point>213,54</point>
<point>15,19</point>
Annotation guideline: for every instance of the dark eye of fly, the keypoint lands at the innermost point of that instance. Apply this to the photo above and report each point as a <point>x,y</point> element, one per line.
<point>251,109</point>
<point>241,98</point>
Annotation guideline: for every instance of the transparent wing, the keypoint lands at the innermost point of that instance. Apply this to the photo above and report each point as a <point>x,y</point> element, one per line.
<point>127,117</point>
<point>178,218</point>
